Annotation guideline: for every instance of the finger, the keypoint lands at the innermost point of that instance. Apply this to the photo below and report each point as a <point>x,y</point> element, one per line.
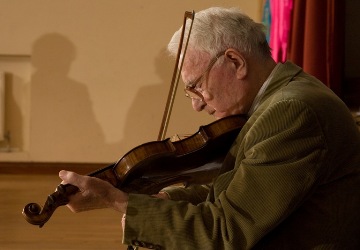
<point>70,177</point>
<point>62,175</point>
<point>162,195</point>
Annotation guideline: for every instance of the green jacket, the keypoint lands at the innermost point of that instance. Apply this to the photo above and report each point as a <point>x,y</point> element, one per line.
<point>290,181</point>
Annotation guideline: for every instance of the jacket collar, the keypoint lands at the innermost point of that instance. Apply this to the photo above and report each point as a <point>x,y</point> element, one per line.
<point>285,73</point>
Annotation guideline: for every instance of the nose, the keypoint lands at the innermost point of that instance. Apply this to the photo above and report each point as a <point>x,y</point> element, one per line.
<point>198,105</point>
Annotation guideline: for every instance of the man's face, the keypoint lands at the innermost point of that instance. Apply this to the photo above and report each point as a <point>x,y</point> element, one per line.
<point>223,90</point>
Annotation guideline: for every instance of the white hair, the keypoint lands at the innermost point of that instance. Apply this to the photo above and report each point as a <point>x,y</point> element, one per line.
<point>217,29</point>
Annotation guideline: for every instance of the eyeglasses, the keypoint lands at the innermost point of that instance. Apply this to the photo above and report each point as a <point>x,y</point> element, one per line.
<point>190,88</point>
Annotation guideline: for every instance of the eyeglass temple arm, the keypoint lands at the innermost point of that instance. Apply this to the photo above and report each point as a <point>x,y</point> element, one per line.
<point>176,76</point>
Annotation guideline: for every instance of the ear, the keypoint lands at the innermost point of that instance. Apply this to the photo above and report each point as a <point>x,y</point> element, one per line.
<point>239,62</point>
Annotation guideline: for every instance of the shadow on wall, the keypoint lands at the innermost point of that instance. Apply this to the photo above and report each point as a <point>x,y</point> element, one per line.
<point>13,134</point>
<point>62,119</point>
<point>146,112</point>
<point>63,125</point>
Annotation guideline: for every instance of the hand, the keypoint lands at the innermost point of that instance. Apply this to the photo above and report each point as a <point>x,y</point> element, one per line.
<point>94,193</point>
<point>162,195</point>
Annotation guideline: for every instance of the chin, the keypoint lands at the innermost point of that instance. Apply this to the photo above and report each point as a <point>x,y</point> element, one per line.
<point>218,116</point>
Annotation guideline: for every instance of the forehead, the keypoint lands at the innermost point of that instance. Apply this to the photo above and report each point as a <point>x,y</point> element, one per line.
<point>196,58</point>
<point>194,64</point>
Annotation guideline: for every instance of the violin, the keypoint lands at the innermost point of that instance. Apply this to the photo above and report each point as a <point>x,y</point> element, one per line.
<point>152,166</point>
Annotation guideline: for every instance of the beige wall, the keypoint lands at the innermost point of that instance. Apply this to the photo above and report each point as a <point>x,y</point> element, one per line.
<point>87,80</point>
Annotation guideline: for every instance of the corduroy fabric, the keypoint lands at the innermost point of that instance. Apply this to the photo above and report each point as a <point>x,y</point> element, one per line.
<point>290,181</point>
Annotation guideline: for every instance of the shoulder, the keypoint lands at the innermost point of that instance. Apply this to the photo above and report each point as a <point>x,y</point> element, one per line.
<point>291,86</point>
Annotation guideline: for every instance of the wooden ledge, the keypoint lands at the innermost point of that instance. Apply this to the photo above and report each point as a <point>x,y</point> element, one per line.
<point>50,168</point>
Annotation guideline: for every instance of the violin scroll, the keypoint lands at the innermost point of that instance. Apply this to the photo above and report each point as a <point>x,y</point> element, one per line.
<point>152,166</point>
<point>33,213</point>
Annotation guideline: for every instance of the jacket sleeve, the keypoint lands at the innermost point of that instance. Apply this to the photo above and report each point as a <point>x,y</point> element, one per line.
<point>277,165</point>
<point>193,194</point>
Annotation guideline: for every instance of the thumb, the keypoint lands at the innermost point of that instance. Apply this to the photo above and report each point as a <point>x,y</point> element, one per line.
<point>69,177</point>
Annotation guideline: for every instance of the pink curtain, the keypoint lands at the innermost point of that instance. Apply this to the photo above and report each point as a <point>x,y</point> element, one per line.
<point>280,26</point>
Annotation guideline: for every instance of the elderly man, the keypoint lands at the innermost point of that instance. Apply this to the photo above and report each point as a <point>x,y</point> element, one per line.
<point>291,179</point>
